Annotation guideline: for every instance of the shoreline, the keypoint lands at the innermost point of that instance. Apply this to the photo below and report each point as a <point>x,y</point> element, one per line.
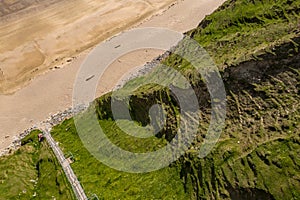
<point>89,49</point>
<point>57,118</point>
<point>63,76</point>
<point>67,59</point>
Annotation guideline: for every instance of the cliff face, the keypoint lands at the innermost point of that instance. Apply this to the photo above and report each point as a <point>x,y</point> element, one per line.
<point>257,154</point>
<point>255,45</point>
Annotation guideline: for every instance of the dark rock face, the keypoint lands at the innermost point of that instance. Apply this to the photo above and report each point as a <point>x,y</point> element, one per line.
<point>261,68</point>
<point>260,143</point>
<point>255,158</point>
<point>249,194</point>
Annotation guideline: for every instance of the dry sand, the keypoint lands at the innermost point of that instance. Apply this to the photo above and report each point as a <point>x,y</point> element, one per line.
<point>38,34</point>
<point>52,34</point>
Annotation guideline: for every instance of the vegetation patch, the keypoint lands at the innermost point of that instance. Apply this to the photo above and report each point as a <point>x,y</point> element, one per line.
<point>33,172</point>
<point>107,183</point>
<point>255,45</point>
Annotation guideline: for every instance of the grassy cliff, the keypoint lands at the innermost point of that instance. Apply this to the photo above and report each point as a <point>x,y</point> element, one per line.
<point>255,45</point>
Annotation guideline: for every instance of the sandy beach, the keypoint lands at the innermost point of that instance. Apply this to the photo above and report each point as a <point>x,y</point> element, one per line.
<point>41,53</point>
<point>43,34</point>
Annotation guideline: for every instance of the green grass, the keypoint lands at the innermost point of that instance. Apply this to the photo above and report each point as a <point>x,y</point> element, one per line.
<point>260,141</point>
<point>256,154</point>
<point>255,45</point>
<point>33,172</point>
<point>108,183</point>
<point>242,28</point>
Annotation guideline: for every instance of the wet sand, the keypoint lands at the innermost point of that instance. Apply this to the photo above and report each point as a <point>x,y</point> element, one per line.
<point>52,92</point>
<point>36,35</point>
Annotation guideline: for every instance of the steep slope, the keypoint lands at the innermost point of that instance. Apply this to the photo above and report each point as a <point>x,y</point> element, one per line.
<point>255,45</point>
<point>256,156</point>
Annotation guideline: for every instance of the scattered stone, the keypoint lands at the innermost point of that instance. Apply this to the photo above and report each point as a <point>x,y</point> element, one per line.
<point>51,121</point>
<point>32,181</point>
<point>59,117</point>
<point>146,68</point>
